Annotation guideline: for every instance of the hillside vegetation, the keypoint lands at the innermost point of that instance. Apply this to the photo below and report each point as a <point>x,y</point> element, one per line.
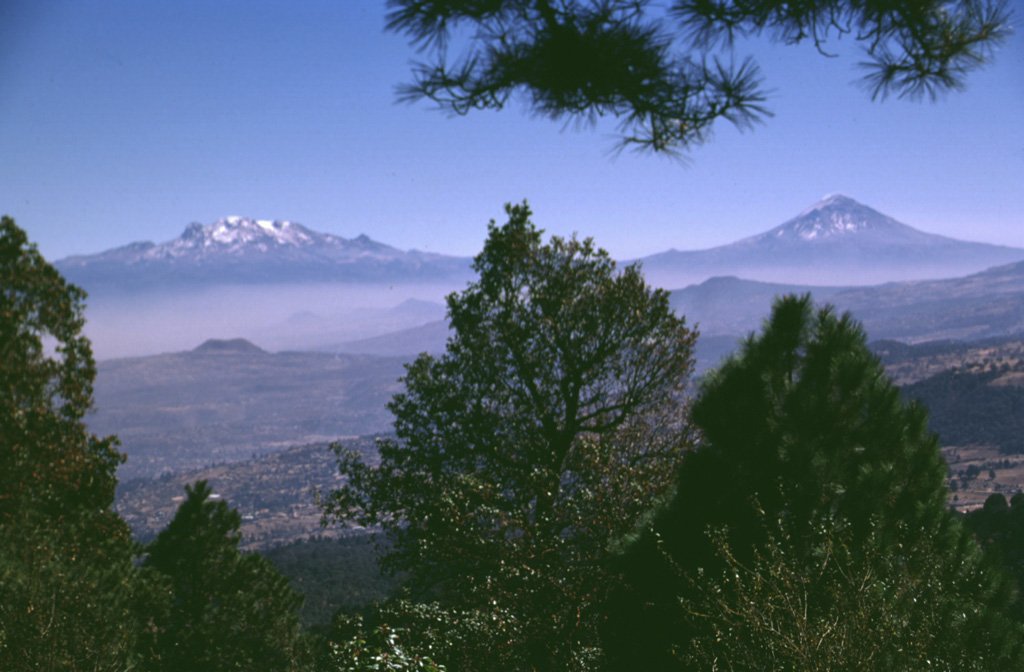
<point>551,497</point>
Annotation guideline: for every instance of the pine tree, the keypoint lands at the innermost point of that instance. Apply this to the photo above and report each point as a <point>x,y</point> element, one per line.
<point>812,473</point>
<point>653,66</point>
<point>229,610</point>
<point>999,526</point>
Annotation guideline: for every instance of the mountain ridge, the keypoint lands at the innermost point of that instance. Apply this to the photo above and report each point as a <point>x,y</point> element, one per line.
<point>283,285</point>
<point>836,241</point>
<point>980,305</point>
<point>253,251</point>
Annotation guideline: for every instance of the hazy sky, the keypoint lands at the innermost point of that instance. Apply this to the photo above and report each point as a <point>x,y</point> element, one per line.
<point>123,121</point>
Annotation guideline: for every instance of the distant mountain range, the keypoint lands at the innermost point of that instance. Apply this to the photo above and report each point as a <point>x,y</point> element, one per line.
<point>237,250</point>
<point>836,241</point>
<point>288,287</point>
<point>981,305</point>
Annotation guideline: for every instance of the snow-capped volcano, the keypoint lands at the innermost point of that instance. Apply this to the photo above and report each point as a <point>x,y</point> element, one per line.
<point>240,236</point>
<point>840,217</point>
<point>837,215</point>
<point>240,250</point>
<point>836,241</point>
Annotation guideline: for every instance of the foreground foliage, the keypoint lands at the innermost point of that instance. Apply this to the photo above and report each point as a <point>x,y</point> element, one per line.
<point>999,526</point>
<point>552,422</point>
<point>806,531</point>
<point>72,595</point>
<point>228,610</point>
<point>66,583</point>
<point>652,69</point>
<point>68,600</point>
<point>355,646</point>
<point>809,523</point>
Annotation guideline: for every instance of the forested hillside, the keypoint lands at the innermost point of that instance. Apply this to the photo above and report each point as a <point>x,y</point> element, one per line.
<point>339,574</point>
<point>980,404</point>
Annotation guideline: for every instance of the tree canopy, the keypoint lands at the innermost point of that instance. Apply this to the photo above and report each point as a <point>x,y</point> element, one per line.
<point>229,610</point>
<point>815,503</point>
<point>652,68</point>
<point>48,461</point>
<point>67,585</point>
<point>999,526</point>
<point>548,427</point>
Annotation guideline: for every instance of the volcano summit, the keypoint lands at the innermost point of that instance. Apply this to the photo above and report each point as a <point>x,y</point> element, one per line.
<point>837,241</point>
<point>240,251</point>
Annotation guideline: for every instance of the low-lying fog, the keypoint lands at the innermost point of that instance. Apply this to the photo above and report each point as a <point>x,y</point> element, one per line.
<point>274,317</point>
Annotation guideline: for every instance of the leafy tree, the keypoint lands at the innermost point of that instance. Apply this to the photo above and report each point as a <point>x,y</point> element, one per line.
<point>580,59</point>
<point>67,582</point>
<point>549,426</point>
<point>465,638</point>
<point>356,647</point>
<point>230,611</point>
<point>49,463</point>
<point>70,600</point>
<point>814,481</point>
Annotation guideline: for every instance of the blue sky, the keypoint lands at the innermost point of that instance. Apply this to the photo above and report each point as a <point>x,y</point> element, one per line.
<point>123,121</point>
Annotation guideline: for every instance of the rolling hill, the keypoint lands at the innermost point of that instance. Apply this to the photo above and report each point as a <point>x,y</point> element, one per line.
<point>982,305</point>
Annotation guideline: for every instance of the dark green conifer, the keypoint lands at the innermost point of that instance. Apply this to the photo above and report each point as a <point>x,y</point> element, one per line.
<point>814,481</point>
<point>229,610</point>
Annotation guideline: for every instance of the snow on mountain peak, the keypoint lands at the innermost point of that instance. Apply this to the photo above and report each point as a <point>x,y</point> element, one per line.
<point>831,201</point>
<point>830,224</point>
<point>837,217</point>
<point>237,237</point>
<point>235,231</point>
<point>239,250</point>
<point>832,217</point>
